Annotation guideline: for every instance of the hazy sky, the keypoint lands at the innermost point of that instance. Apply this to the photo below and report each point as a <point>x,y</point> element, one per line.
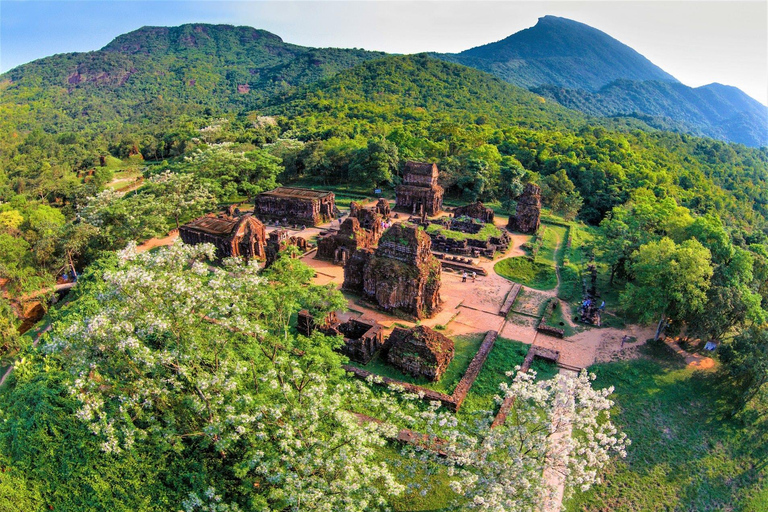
<point>698,42</point>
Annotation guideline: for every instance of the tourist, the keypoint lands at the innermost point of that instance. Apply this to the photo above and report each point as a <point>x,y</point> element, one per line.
<point>474,276</point>
<point>464,277</point>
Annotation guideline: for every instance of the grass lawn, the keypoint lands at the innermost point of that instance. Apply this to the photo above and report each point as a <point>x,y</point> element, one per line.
<point>557,319</point>
<point>506,354</point>
<point>553,236</point>
<point>465,348</point>
<point>685,453</point>
<point>521,269</point>
<point>487,231</point>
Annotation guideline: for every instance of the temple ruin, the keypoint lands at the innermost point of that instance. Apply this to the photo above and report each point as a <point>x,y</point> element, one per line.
<point>420,192</point>
<point>279,240</point>
<point>299,206</point>
<point>339,246</point>
<point>401,274</point>
<point>528,213</point>
<point>420,352</point>
<point>362,338</point>
<point>475,210</point>
<point>232,236</point>
<point>374,219</point>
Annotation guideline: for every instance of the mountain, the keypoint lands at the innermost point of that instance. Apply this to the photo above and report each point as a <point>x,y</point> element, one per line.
<point>717,111</point>
<point>159,70</point>
<point>405,86</point>
<point>586,69</point>
<point>560,52</point>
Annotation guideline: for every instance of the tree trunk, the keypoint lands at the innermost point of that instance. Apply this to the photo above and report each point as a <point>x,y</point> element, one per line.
<point>660,328</point>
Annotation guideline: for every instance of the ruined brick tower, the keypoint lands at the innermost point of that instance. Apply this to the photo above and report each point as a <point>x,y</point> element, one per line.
<point>420,192</point>
<point>528,213</point>
<point>401,274</point>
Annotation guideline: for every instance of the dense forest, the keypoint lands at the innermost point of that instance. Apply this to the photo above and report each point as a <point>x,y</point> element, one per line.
<point>153,131</point>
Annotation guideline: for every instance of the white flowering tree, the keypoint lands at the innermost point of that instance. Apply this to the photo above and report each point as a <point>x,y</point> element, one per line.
<point>561,427</point>
<point>182,195</point>
<point>185,355</point>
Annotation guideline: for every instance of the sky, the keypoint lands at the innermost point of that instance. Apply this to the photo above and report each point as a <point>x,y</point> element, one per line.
<point>698,42</point>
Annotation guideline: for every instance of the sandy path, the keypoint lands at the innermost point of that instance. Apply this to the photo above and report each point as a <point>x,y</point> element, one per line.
<point>696,361</point>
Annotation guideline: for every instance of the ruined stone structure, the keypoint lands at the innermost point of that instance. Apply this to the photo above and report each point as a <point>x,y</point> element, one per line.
<point>420,352</point>
<point>528,213</point>
<point>420,192</point>
<point>279,240</point>
<point>401,274</point>
<point>233,236</point>
<point>339,247</point>
<point>475,211</point>
<point>371,219</point>
<point>296,206</point>
<point>467,246</point>
<point>362,338</point>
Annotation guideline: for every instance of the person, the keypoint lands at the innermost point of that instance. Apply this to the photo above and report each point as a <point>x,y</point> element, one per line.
<point>602,306</point>
<point>474,276</point>
<point>464,277</point>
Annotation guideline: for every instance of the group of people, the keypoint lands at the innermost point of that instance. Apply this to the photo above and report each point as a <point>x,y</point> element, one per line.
<point>465,275</point>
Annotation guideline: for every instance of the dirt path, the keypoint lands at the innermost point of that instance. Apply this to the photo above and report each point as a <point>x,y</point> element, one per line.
<point>696,361</point>
<point>158,242</point>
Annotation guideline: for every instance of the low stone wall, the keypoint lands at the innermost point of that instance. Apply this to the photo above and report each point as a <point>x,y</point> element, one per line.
<point>454,401</point>
<point>428,394</point>
<point>511,298</point>
<point>473,370</point>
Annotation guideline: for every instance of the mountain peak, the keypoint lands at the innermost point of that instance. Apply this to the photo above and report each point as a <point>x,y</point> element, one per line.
<point>565,53</point>
<point>151,39</point>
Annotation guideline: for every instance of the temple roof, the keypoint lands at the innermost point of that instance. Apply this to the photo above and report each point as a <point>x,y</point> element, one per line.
<point>221,226</point>
<point>420,168</point>
<point>296,193</point>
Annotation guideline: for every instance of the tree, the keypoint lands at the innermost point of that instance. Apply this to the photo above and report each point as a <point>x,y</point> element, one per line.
<point>559,192</point>
<point>182,195</point>
<point>229,173</point>
<point>561,425</point>
<point>10,341</point>
<point>745,364</point>
<point>189,359</point>
<point>669,281</point>
<point>375,163</point>
<point>512,174</point>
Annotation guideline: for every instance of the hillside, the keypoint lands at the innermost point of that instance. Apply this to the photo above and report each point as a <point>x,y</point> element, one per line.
<point>561,52</point>
<point>158,71</point>
<point>714,110</point>
<point>427,87</point>
<point>585,69</point>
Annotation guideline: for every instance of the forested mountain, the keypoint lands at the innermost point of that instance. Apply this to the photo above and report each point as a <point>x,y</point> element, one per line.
<point>586,69</point>
<point>156,72</point>
<point>714,110</point>
<point>561,52</point>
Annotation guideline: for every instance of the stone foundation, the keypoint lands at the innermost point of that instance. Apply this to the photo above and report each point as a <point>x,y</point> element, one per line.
<point>420,352</point>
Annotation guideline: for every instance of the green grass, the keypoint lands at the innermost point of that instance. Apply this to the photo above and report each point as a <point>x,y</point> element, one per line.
<point>557,319</point>
<point>553,235</point>
<point>465,348</point>
<point>686,454</point>
<point>521,269</point>
<point>487,231</point>
<point>505,355</point>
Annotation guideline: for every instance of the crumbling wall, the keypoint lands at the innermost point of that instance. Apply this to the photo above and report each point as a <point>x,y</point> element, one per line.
<point>420,352</point>
<point>528,212</point>
<point>279,240</point>
<point>402,274</point>
<point>339,247</point>
<point>475,210</point>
